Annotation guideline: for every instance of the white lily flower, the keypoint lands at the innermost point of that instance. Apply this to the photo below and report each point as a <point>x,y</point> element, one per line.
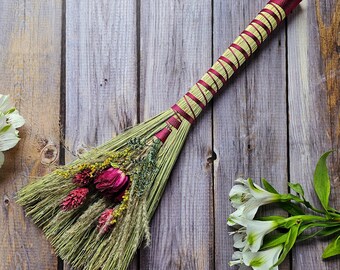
<point>5,105</point>
<point>255,231</point>
<point>15,119</point>
<point>8,138</point>
<point>263,260</point>
<point>238,195</point>
<point>240,237</point>
<point>247,197</point>
<point>10,119</point>
<point>240,240</point>
<point>237,259</point>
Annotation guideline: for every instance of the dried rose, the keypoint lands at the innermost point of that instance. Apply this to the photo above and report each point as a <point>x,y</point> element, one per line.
<point>74,199</point>
<point>112,182</point>
<point>104,221</point>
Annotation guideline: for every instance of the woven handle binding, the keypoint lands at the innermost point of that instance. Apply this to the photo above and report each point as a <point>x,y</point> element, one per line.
<point>193,102</point>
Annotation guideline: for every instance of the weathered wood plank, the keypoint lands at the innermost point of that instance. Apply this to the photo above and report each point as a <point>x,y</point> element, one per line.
<point>30,72</point>
<point>101,72</point>
<point>175,52</point>
<point>313,38</point>
<point>250,123</point>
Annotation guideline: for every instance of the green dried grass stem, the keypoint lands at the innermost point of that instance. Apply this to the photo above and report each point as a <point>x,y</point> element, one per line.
<point>74,234</point>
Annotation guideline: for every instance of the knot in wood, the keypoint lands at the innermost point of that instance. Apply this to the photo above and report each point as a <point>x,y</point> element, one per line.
<point>212,157</point>
<point>49,154</point>
<point>6,200</point>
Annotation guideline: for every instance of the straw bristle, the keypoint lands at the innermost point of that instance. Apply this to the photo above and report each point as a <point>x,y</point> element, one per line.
<point>74,234</point>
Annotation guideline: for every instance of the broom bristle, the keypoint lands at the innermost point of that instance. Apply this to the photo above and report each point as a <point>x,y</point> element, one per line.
<point>74,234</point>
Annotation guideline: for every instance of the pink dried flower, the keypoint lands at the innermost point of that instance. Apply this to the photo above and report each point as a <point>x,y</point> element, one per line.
<point>112,182</point>
<point>83,178</point>
<point>74,199</point>
<point>104,221</point>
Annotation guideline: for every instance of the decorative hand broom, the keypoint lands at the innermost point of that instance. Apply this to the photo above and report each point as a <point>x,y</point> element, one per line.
<point>96,210</point>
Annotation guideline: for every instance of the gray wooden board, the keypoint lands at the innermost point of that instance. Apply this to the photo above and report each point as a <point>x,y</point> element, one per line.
<point>175,52</point>
<point>129,60</point>
<point>313,70</point>
<point>250,125</point>
<point>30,36</point>
<point>101,72</point>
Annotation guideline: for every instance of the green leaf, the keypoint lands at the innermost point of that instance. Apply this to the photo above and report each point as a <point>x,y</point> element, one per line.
<point>268,186</point>
<point>322,184</point>
<point>327,229</point>
<point>290,241</point>
<point>297,188</point>
<point>274,240</point>
<point>336,212</point>
<point>332,249</point>
<point>291,208</point>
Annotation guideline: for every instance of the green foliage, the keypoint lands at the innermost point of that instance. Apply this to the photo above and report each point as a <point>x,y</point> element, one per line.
<point>267,186</point>
<point>297,188</point>
<point>305,222</point>
<point>322,185</point>
<point>332,249</point>
<point>290,241</point>
<point>288,206</point>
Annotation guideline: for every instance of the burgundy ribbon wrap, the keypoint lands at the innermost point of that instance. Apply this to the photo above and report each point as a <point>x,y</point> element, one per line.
<point>287,5</point>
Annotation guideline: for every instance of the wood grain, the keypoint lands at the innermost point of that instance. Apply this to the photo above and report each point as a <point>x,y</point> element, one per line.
<point>313,66</point>
<point>125,61</point>
<point>30,72</point>
<point>250,120</point>
<point>175,52</point>
<point>101,72</point>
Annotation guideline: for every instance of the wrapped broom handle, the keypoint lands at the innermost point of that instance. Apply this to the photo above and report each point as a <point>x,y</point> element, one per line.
<point>193,102</point>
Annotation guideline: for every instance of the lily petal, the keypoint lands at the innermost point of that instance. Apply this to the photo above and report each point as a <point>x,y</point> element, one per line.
<point>238,195</point>
<point>239,240</point>
<point>8,139</point>
<point>15,119</point>
<point>256,230</point>
<point>5,106</point>
<point>263,260</point>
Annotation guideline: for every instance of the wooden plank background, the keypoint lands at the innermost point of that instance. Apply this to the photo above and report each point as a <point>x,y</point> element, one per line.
<point>98,67</point>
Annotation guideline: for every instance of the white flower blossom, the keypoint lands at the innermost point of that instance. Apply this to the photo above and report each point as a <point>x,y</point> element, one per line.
<point>251,234</point>
<point>261,260</point>
<point>10,120</point>
<point>247,197</point>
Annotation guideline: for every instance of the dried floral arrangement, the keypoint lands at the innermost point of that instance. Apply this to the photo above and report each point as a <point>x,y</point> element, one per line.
<point>96,210</point>
<point>10,120</point>
<point>263,243</point>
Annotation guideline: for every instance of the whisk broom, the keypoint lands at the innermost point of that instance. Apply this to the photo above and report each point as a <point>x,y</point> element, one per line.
<point>96,210</point>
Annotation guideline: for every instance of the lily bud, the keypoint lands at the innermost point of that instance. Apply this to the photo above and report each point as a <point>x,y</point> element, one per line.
<point>74,199</point>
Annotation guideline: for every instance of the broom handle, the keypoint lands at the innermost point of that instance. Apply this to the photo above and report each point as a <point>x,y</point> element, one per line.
<point>193,102</point>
